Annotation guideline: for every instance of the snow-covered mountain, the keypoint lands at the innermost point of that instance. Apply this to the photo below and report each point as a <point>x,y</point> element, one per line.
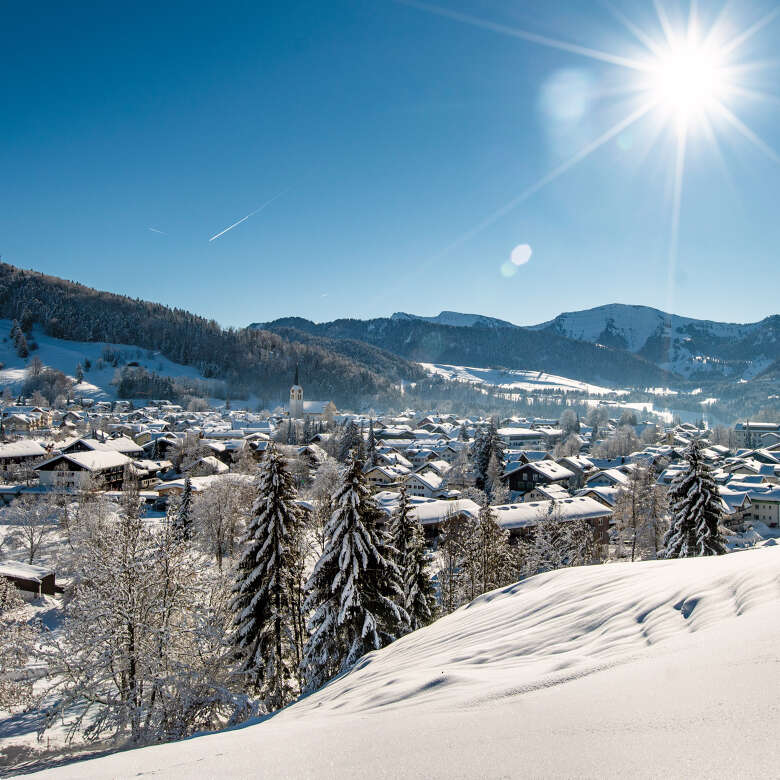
<point>457,320</point>
<point>697,349</point>
<point>661,668</point>
<point>684,345</point>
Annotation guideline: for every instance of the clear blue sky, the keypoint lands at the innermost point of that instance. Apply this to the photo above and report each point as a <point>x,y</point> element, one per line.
<point>391,133</point>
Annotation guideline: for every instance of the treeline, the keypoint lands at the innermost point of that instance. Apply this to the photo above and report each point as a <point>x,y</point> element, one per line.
<point>248,360</point>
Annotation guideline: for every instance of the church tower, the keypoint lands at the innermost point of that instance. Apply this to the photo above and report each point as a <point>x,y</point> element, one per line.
<point>296,399</point>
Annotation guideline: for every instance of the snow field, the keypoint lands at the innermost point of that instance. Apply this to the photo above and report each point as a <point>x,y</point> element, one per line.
<point>655,668</point>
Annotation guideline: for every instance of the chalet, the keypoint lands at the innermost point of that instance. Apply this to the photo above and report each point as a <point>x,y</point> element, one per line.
<point>384,476</point>
<point>72,471</point>
<point>579,465</point>
<point>27,417</point>
<point>34,581</point>
<point>607,478</point>
<point>604,495</point>
<point>552,492</point>
<point>147,472</point>
<point>427,484</point>
<point>205,467</point>
<point>440,467</point>
<point>736,506</point>
<point>121,444</point>
<point>521,519</point>
<point>17,453</point>
<point>522,477</point>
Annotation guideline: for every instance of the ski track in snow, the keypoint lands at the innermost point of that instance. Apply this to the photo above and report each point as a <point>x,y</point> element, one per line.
<point>655,668</point>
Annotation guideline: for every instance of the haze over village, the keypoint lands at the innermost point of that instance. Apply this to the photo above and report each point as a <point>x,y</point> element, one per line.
<point>265,513</point>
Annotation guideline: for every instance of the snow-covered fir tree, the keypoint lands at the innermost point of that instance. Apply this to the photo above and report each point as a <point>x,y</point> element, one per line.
<point>488,445</point>
<point>371,444</point>
<point>183,516</point>
<point>408,538</point>
<point>696,510</point>
<point>350,441</point>
<point>355,590</point>
<point>264,581</point>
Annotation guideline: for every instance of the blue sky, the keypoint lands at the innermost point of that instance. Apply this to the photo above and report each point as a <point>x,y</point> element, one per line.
<point>388,135</point>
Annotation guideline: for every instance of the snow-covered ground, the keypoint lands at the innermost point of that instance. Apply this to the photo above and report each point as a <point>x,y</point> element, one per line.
<point>66,355</point>
<point>664,668</point>
<point>515,379</point>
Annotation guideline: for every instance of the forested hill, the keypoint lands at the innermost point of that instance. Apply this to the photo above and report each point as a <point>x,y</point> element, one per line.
<point>249,360</point>
<point>514,348</point>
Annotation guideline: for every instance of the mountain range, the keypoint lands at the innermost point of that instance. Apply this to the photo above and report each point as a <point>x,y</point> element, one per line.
<point>364,362</point>
<point>684,346</point>
<point>617,344</point>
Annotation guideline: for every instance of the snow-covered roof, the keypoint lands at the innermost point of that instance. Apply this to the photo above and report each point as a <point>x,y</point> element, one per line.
<point>24,571</point>
<point>92,460</point>
<point>433,510</point>
<point>21,449</point>
<point>527,515</point>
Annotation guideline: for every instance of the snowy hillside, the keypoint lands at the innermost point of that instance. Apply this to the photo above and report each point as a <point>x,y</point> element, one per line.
<point>457,320</point>
<point>66,355</point>
<point>683,345</point>
<point>515,380</point>
<point>663,668</point>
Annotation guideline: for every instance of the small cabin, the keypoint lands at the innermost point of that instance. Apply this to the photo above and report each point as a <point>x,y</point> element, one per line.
<point>34,581</point>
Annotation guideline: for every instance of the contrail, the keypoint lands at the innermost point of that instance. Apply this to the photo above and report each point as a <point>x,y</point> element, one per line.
<point>244,219</point>
<point>161,232</point>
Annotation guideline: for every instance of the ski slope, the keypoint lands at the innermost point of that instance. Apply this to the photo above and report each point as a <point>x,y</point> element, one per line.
<point>65,355</point>
<point>663,668</point>
<point>515,379</point>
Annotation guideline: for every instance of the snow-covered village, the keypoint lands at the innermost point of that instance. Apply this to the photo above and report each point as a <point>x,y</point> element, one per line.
<point>390,389</point>
<point>167,571</point>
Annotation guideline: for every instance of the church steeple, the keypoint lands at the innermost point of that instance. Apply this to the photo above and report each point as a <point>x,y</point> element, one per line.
<point>296,398</point>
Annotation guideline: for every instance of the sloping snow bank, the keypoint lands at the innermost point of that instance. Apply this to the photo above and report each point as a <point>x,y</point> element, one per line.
<point>657,668</point>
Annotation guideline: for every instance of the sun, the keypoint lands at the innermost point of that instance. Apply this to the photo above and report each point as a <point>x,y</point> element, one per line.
<point>688,79</point>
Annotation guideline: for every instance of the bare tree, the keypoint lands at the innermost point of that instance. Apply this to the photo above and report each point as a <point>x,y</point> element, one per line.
<point>33,519</point>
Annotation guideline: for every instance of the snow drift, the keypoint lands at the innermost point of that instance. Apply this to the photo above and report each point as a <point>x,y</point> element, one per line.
<point>656,668</point>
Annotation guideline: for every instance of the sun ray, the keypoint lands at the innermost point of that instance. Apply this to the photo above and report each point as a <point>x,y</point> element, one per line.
<point>738,40</point>
<point>674,238</point>
<point>747,133</point>
<point>542,40</point>
<point>638,33</point>
<point>532,189</point>
<point>754,94</point>
<point>663,20</point>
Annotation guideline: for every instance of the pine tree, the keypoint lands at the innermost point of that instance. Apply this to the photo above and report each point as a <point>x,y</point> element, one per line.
<point>695,505</point>
<point>490,563</point>
<point>265,617</point>
<point>355,588</point>
<point>488,445</point>
<point>349,442</point>
<point>371,444</point>
<point>183,518</point>
<point>408,538</point>
<point>463,434</point>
